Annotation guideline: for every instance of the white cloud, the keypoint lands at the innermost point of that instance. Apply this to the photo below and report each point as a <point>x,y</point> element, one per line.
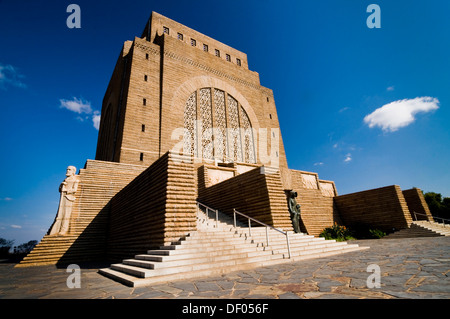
<point>390,88</point>
<point>9,75</point>
<point>343,109</point>
<point>6,198</point>
<point>16,226</point>
<point>76,105</point>
<point>318,164</point>
<point>392,116</point>
<point>81,106</point>
<point>96,119</point>
<point>348,158</point>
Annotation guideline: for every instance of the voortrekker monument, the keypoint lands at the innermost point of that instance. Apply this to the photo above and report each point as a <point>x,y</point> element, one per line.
<point>191,177</point>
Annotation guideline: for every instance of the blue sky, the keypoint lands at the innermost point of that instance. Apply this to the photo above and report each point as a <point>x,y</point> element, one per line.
<point>363,107</point>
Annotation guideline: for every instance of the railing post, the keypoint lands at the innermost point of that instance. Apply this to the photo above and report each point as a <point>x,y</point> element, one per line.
<point>217,218</point>
<point>288,245</point>
<point>234,215</point>
<point>415,216</point>
<point>267,236</point>
<point>249,227</point>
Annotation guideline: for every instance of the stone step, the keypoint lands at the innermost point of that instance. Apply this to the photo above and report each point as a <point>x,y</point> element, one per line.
<point>145,273</point>
<point>134,281</point>
<point>189,259</point>
<point>239,236</point>
<point>199,241</point>
<point>433,226</point>
<point>416,230</point>
<point>189,263</point>
<point>245,230</point>
<point>202,250</point>
<point>217,247</point>
<point>199,254</point>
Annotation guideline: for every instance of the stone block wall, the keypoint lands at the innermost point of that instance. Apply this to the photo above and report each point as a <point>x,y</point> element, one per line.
<point>316,199</point>
<point>156,208</point>
<point>384,208</point>
<point>164,71</point>
<point>416,203</point>
<point>257,193</point>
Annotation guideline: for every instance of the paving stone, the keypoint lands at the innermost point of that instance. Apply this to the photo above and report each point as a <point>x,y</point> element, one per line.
<point>289,295</point>
<point>151,294</point>
<point>211,294</point>
<point>327,285</point>
<point>297,287</point>
<point>411,269</point>
<point>240,293</point>
<point>168,289</point>
<point>260,296</point>
<point>207,286</point>
<point>249,280</point>
<point>327,272</point>
<point>185,286</point>
<point>427,261</point>
<point>225,285</point>
<point>437,287</point>
<point>358,283</point>
<point>336,296</point>
<point>312,294</point>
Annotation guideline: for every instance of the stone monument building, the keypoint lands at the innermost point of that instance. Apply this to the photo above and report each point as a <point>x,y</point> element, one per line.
<point>184,120</point>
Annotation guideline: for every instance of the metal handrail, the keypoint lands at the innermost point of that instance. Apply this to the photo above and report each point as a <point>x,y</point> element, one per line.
<point>434,217</point>
<point>265,225</point>
<point>211,209</point>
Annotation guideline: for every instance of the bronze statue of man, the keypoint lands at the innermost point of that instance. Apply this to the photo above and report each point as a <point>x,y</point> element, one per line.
<point>294,210</point>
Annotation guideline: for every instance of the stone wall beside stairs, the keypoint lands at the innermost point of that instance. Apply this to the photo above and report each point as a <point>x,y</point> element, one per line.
<point>257,193</point>
<point>416,203</point>
<point>384,208</point>
<point>156,208</point>
<point>317,207</point>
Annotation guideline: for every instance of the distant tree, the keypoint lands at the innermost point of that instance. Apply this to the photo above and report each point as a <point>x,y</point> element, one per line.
<point>5,246</point>
<point>25,248</point>
<point>439,207</point>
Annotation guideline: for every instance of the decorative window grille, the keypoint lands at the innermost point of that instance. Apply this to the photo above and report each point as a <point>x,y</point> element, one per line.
<point>249,152</point>
<point>220,130</point>
<point>190,115</point>
<point>206,118</point>
<point>235,149</point>
<point>224,128</point>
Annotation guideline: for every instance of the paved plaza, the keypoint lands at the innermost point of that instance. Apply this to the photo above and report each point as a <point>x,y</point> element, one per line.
<point>417,268</point>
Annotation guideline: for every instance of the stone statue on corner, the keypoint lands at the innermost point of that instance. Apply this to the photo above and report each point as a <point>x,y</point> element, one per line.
<point>294,210</point>
<point>68,188</point>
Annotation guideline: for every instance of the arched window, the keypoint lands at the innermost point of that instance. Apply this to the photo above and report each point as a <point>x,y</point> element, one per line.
<point>217,127</point>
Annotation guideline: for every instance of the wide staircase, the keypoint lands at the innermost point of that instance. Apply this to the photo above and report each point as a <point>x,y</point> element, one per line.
<point>99,182</point>
<point>422,228</point>
<point>217,247</point>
